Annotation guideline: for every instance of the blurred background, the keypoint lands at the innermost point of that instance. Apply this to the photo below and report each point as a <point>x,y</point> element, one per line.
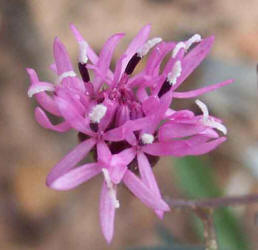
<point>35,217</point>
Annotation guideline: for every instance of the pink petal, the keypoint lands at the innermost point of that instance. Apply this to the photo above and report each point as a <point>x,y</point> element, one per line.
<point>90,52</point>
<point>43,120</point>
<point>152,68</point>
<point>172,130</point>
<point>156,57</point>
<point>120,133</point>
<point>70,160</point>
<point>48,103</point>
<point>150,105</point>
<point>118,69</point>
<point>33,75</point>
<point>201,91</point>
<point>209,132</point>
<point>205,147</point>
<point>107,213</point>
<point>103,151</point>
<point>142,94</point>
<point>169,113</point>
<point>53,67</point>
<point>131,138</point>
<point>122,115</point>
<point>139,123</point>
<point>109,116</point>
<point>165,102</point>
<point>171,62</point>
<point>158,112</point>
<point>76,99</point>
<point>138,41</point>
<point>105,58</point>
<point>116,134</point>
<point>134,46</point>
<point>62,59</point>
<point>73,117</point>
<point>45,101</point>
<point>117,173</point>
<point>182,115</point>
<point>74,84</point>
<point>119,162</point>
<point>167,70</point>
<point>75,177</point>
<point>124,157</point>
<point>182,147</point>
<point>142,192</point>
<point>197,140</point>
<point>148,178</point>
<point>172,148</point>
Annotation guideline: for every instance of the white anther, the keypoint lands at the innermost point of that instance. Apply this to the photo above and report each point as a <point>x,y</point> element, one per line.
<point>38,89</point>
<point>107,178</point>
<point>147,138</point>
<point>148,46</point>
<point>83,58</point>
<point>70,73</point>
<point>97,113</point>
<point>110,186</point>
<point>203,107</point>
<point>175,73</point>
<point>214,124</point>
<point>180,45</point>
<point>210,121</point>
<point>194,39</point>
<point>186,45</point>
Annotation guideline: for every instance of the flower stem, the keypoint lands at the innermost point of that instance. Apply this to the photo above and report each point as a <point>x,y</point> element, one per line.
<point>206,216</point>
<point>214,202</point>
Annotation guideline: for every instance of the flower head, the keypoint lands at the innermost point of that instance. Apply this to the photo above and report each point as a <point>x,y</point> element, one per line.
<point>126,120</point>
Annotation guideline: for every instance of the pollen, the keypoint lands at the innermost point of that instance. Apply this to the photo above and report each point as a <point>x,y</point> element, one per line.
<point>180,45</point>
<point>37,89</point>
<point>194,39</point>
<point>70,73</point>
<point>186,45</point>
<point>147,138</point>
<point>83,58</point>
<point>203,107</point>
<point>148,46</point>
<point>97,113</point>
<point>175,73</point>
<point>210,121</point>
<point>110,187</point>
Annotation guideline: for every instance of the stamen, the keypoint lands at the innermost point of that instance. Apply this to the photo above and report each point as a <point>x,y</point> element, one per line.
<point>175,73</point>
<point>164,88</point>
<point>194,39</point>
<point>148,46</point>
<point>64,75</point>
<point>214,124</point>
<point>186,45</point>
<point>97,113</point>
<point>84,72</point>
<point>132,64</point>
<point>180,45</point>
<point>203,107</point>
<point>110,188</point>
<point>210,121</point>
<point>83,58</point>
<point>147,138</point>
<point>35,89</point>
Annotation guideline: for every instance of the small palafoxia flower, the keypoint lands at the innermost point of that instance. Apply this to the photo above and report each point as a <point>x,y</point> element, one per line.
<point>125,121</point>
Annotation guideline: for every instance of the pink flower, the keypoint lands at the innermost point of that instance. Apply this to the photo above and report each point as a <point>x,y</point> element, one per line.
<point>119,116</point>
